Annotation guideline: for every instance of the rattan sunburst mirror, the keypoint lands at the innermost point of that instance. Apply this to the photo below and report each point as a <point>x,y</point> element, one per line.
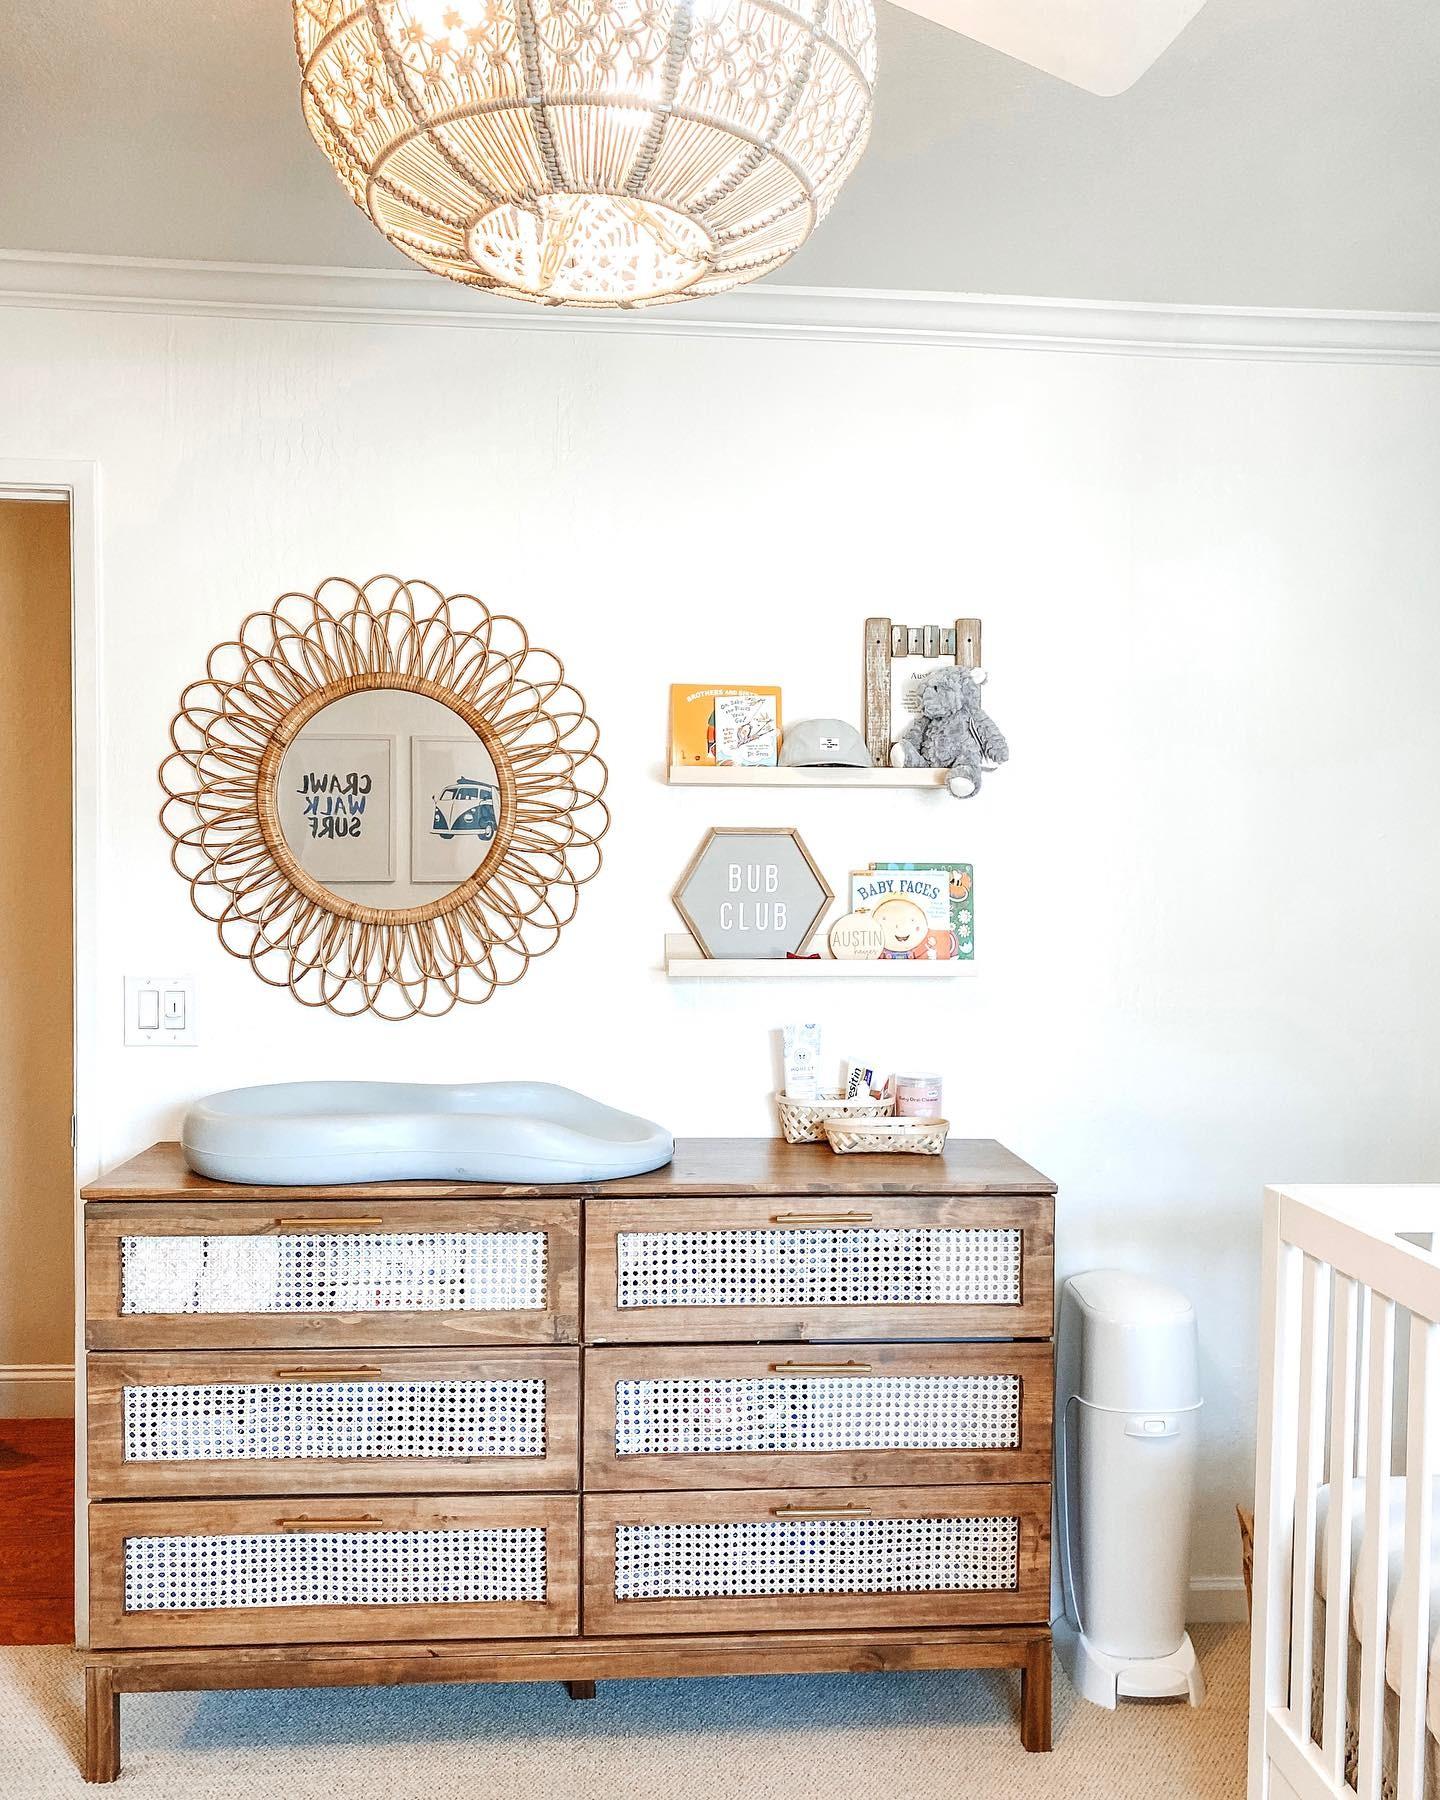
<point>384,797</point>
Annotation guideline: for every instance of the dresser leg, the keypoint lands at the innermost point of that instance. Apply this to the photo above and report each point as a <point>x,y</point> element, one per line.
<point>580,1690</point>
<point>1035,1695</point>
<point>102,1723</point>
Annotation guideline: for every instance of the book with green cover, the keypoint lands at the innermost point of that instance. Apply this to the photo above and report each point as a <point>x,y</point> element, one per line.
<point>962,900</point>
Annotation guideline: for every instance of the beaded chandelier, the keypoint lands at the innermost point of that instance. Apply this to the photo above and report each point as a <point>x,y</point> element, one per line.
<point>595,153</point>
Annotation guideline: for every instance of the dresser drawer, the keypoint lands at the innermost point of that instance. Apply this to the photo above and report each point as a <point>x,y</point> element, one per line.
<point>291,1273</point>
<point>891,1266</point>
<point>271,1572</point>
<point>716,1417</point>
<point>403,1421</point>
<point>794,1558</point>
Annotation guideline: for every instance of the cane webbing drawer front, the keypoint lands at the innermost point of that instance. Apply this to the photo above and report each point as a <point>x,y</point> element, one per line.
<point>309,1272</point>
<point>820,1265</point>
<point>462,1565</point>
<point>245,1422</point>
<point>890,1267</point>
<point>334,1271</point>
<point>249,1572</point>
<point>786,1557</point>
<point>737,1558</point>
<point>719,1416</point>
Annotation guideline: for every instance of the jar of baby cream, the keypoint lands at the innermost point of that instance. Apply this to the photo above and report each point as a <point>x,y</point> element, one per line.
<point>918,1097</point>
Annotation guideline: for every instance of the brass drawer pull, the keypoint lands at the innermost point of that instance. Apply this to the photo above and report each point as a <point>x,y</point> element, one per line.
<point>820,1512</point>
<point>830,1218</point>
<point>845,1368</point>
<point>328,1224</point>
<point>305,1523</point>
<point>334,1373</point>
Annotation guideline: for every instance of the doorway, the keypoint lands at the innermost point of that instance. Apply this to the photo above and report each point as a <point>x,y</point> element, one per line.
<point>37,1169</point>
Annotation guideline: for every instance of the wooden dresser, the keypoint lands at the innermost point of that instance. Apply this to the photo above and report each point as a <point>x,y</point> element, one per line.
<point>766,1410</point>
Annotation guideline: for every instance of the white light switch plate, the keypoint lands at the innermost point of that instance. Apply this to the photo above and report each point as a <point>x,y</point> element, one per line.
<point>160,1009</point>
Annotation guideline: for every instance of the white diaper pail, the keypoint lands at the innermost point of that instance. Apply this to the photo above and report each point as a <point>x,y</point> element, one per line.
<point>1128,1399</point>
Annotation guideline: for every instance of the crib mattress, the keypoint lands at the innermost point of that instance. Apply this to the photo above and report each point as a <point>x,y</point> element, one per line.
<point>1389,1756</point>
<point>1395,1508</point>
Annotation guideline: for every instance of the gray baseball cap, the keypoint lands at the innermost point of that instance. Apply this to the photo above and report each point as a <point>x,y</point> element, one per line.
<point>823,744</point>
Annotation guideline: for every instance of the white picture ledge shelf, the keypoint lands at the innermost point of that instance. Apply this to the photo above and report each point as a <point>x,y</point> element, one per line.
<point>701,776</point>
<point>684,962</point>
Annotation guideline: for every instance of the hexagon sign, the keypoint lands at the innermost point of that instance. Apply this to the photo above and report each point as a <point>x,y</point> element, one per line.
<point>752,892</point>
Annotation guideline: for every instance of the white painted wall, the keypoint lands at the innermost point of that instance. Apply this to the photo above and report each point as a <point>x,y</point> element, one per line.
<point>1205,882</point>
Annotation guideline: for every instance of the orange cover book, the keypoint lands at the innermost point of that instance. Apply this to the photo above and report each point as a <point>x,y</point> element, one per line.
<point>724,726</point>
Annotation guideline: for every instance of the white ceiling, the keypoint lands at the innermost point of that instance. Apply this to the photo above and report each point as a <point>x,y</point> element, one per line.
<point>1281,153</point>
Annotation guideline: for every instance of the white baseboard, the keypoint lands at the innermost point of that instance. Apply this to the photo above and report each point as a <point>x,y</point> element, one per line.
<point>1216,1600</point>
<point>37,1391</point>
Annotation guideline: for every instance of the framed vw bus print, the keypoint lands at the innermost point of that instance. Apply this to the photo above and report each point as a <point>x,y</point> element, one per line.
<point>454,808</point>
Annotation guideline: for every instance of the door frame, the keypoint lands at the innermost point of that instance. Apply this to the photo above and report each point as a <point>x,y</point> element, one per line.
<point>39,479</point>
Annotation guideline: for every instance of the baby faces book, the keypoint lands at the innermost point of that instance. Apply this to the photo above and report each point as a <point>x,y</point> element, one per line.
<point>924,910</point>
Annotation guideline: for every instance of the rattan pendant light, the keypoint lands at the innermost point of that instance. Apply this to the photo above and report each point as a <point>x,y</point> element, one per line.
<point>595,153</point>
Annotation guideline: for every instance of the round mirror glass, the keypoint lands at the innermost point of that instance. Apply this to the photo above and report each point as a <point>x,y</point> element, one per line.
<point>388,799</point>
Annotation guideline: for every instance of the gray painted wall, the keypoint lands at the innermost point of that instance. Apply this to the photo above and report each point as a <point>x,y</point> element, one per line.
<point>1282,153</point>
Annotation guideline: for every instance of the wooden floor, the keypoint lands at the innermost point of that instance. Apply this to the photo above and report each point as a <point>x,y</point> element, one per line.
<point>37,1539</point>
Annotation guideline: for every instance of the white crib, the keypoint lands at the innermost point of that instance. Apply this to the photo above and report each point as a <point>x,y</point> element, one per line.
<point>1345,1496</point>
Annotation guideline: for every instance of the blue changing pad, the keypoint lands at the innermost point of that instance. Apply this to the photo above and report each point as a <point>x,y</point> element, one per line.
<point>318,1133</point>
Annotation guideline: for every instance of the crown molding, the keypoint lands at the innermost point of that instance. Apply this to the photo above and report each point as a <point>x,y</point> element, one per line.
<point>837,315</point>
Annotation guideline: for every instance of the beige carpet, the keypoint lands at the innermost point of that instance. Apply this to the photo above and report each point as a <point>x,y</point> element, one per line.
<point>843,1737</point>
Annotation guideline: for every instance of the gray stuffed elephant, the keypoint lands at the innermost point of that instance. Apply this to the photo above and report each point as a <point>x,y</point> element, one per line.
<point>953,732</point>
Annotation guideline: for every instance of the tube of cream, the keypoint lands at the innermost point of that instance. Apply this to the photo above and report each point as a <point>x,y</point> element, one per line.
<point>862,1081</point>
<point>802,1062</point>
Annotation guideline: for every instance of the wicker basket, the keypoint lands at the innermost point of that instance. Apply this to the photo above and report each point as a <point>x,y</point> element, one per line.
<point>915,1137</point>
<point>803,1121</point>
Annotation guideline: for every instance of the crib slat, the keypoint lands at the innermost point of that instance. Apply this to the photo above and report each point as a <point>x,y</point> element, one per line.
<point>1362,1387</point>
<point>1373,1581</point>
<point>1341,1517</point>
<point>1309,1466</point>
<point>1412,1607</point>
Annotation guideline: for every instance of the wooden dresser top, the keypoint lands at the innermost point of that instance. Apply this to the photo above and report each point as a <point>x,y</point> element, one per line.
<point>969,1167</point>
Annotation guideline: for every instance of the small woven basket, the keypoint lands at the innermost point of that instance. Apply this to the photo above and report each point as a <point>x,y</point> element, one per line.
<point>914,1137</point>
<point>803,1121</point>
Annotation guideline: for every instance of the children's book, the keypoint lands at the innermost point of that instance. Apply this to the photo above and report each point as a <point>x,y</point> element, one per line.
<point>961,881</point>
<point>911,905</point>
<point>725,726</point>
